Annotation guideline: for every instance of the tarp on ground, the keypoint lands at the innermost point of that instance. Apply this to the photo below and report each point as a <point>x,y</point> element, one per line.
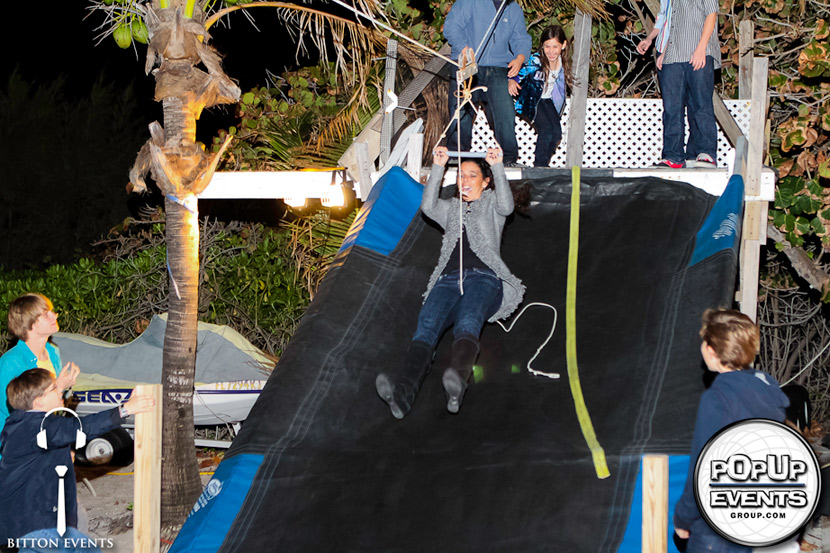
<point>222,355</point>
<point>321,465</point>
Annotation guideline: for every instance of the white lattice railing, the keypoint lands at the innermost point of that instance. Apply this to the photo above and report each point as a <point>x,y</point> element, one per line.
<point>619,133</point>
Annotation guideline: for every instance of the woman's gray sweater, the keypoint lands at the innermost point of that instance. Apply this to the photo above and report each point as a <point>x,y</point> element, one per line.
<point>483,224</point>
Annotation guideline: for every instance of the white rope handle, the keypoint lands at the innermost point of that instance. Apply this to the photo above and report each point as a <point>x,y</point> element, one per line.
<point>531,370</point>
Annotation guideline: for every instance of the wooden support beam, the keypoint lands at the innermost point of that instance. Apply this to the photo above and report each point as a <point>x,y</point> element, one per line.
<point>757,124</point>
<point>387,128</point>
<point>363,168</point>
<point>414,155</point>
<point>746,48</point>
<point>370,138</point>
<point>579,94</point>
<point>654,7</point>
<point>147,482</point>
<point>655,503</point>
<point>750,260</point>
<point>755,212</point>
<point>727,123</point>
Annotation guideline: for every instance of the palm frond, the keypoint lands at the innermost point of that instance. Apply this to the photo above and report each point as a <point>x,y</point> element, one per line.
<point>355,115</point>
<point>349,44</point>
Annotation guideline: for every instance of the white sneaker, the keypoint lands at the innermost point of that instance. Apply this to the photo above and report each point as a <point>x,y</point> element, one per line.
<point>705,161</point>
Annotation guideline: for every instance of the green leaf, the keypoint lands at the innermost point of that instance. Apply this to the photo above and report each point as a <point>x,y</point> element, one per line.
<point>786,190</point>
<point>248,98</point>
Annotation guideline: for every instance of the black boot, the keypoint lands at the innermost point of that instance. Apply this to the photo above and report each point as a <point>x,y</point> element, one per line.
<point>464,353</point>
<point>399,390</point>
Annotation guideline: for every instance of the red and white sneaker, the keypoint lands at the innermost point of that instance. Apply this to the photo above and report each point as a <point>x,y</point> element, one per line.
<point>705,161</point>
<point>671,164</point>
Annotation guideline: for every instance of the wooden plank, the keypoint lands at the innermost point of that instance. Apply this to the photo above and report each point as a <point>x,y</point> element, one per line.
<point>655,503</point>
<point>654,7</point>
<point>363,169</point>
<point>414,155</point>
<point>752,220</point>
<point>579,94</point>
<point>387,128</point>
<point>401,148</point>
<point>757,123</point>
<point>754,211</point>
<point>370,137</point>
<point>750,260</point>
<point>727,123</point>
<point>147,481</point>
<point>746,48</point>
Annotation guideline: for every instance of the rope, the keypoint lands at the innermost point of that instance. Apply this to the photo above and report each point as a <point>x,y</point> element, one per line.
<point>554,376</point>
<point>598,454</point>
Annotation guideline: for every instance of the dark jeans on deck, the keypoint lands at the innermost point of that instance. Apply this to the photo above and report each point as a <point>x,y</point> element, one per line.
<point>498,105</point>
<point>548,132</point>
<point>684,87</point>
<point>445,306</point>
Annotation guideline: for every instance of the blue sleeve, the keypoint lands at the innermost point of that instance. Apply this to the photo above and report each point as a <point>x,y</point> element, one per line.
<point>61,431</point>
<point>711,417</point>
<point>661,15</point>
<point>520,41</point>
<point>456,27</point>
<point>530,66</point>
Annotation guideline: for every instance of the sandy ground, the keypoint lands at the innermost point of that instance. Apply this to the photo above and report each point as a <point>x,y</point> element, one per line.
<point>107,502</point>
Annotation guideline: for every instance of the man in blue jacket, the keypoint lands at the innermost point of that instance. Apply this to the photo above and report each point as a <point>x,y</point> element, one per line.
<point>502,55</point>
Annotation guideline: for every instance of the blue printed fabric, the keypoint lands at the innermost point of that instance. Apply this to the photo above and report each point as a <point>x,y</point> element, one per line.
<point>532,78</point>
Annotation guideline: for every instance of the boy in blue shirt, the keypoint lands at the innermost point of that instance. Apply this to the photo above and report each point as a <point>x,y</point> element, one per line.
<point>29,473</point>
<point>730,342</point>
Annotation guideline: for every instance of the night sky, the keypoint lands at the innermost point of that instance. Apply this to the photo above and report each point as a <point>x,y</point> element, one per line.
<point>60,41</point>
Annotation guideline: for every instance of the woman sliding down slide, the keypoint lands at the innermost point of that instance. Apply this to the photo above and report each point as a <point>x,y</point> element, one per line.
<point>470,285</point>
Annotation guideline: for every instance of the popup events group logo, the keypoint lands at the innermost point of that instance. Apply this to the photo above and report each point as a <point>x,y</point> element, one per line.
<point>757,482</point>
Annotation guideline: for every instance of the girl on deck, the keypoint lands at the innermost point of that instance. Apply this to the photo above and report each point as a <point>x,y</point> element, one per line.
<point>540,88</point>
<point>470,284</point>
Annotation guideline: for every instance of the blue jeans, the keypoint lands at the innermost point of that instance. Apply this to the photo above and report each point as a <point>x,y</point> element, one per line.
<point>684,87</point>
<point>43,541</point>
<point>498,105</point>
<point>548,131</point>
<point>445,306</point>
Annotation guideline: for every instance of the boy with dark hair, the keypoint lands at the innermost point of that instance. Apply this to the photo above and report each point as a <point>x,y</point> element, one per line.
<point>730,342</point>
<point>29,472</point>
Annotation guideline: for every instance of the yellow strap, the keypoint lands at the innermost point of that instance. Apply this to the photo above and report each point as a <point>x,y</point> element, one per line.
<point>585,424</point>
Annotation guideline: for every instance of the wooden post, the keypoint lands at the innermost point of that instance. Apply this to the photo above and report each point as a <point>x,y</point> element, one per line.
<point>655,503</point>
<point>388,84</point>
<point>746,47</point>
<point>753,232</point>
<point>579,94</point>
<point>727,123</point>
<point>364,169</point>
<point>654,7</point>
<point>414,155</point>
<point>147,482</point>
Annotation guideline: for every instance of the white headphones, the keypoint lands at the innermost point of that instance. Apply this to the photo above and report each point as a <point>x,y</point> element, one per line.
<point>80,437</point>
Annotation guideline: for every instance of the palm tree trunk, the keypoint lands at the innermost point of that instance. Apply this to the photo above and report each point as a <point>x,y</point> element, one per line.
<point>180,484</point>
